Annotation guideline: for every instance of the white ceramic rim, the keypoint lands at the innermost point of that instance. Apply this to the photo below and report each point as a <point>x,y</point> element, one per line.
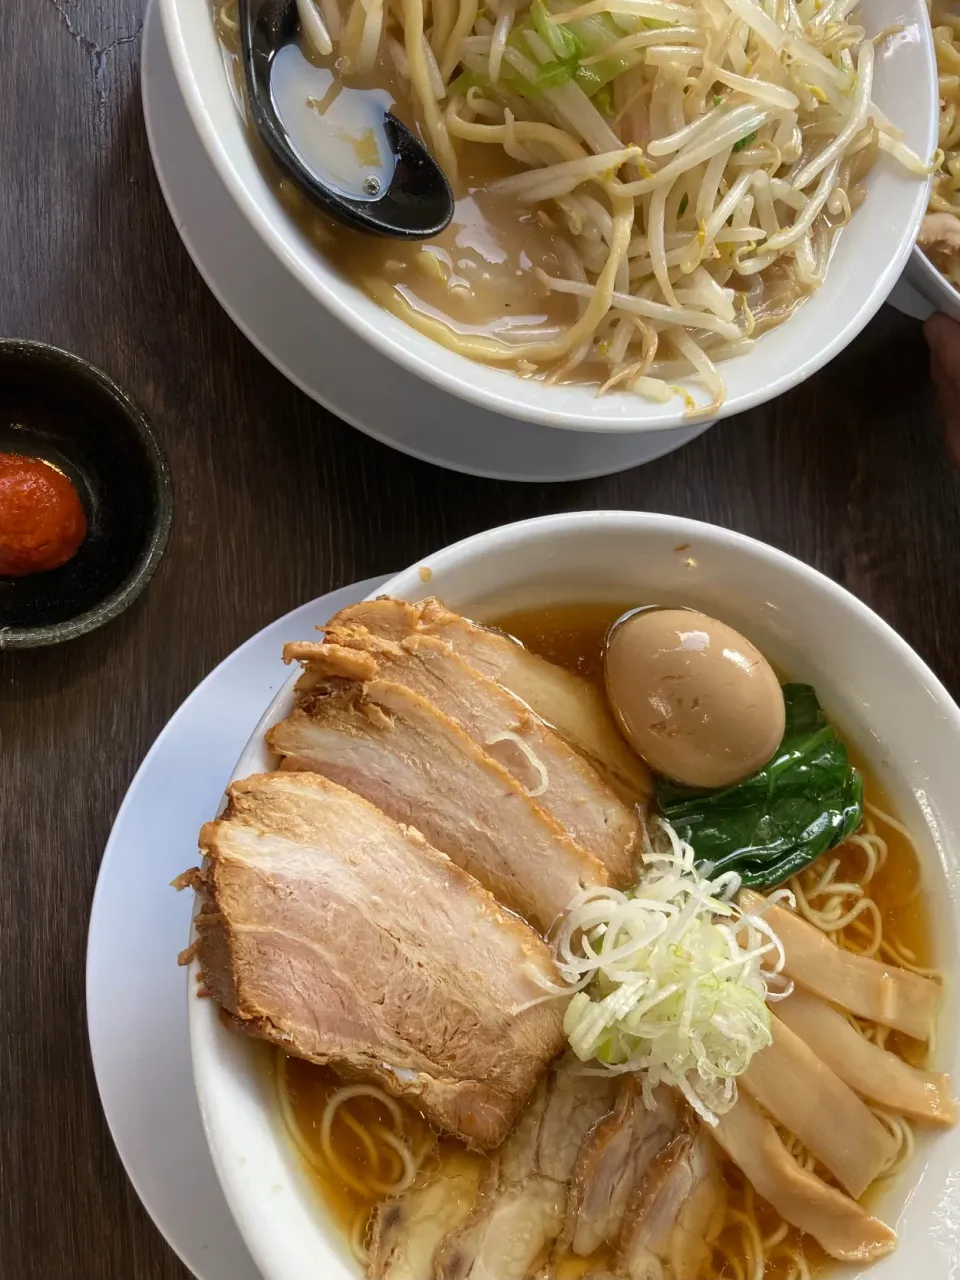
<point>137,1017</point>
<point>506,394</point>
<point>932,1201</point>
<point>932,285</point>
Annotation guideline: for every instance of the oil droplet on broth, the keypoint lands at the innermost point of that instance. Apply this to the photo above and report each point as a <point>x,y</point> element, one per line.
<point>478,275</point>
<point>336,128</point>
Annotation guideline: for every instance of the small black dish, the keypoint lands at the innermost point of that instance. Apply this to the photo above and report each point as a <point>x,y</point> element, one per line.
<point>54,405</point>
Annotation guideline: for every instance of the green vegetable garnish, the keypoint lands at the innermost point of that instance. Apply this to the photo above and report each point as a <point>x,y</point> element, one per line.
<point>807,800</point>
<point>551,75</point>
<point>569,43</point>
<point>464,81</point>
<point>562,42</point>
<point>717,99</point>
<point>683,205</point>
<point>745,141</point>
<point>588,78</point>
<point>603,100</point>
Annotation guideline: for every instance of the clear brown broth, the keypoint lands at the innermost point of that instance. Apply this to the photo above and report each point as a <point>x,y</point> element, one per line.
<point>308,1088</point>
<point>573,637</point>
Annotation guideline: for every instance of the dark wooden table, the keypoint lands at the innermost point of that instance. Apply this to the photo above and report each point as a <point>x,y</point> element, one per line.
<point>278,502</point>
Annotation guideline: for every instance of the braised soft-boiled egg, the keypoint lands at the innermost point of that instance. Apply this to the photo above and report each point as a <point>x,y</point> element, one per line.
<point>696,700</point>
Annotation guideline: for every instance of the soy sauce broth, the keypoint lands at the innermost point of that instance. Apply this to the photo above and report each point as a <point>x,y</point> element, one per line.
<point>309,1087</point>
<point>572,635</point>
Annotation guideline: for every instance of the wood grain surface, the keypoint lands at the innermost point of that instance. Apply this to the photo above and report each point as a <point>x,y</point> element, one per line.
<point>276,503</point>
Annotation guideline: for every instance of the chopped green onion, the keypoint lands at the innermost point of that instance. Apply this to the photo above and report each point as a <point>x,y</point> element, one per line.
<point>745,141</point>
<point>670,979</point>
<point>683,205</point>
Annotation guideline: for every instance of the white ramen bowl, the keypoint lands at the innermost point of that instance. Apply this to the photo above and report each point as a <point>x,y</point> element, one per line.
<point>869,255</point>
<point>884,698</point>
<point>922,289</point>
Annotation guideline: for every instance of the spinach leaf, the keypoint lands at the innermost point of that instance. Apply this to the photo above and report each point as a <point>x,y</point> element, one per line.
<point>807,800</point>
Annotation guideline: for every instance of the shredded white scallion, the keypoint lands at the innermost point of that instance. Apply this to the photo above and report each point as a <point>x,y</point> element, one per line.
<point>678,978</point>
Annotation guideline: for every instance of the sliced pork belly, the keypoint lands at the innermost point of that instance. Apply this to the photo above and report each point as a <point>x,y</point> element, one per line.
<point>505,1242</point>
<point>808,1099</point>
<point>517,1214</point>
<point>676,1213</point>
<point>869,988</point>
<point>393,747</point>
<point>572,705</point>
<point>575,1103</point>
<point>842,1228</point>
<point>346,939</point>
<point>520,1210</point>
<point>405,1232</point>
<point>875,1073</point>
<point>563,782</point>
<point>612,1162</point>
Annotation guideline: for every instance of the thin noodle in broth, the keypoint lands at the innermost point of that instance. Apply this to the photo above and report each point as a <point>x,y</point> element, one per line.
<point>391,1158</point>
<point>662,182</point>
<point>865,896</point>
<point>755,1243</point>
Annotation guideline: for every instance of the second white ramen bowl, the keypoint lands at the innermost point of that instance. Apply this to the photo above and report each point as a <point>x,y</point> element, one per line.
<point>887,701</point>
<point>869,255</point>
<point>922,290</point>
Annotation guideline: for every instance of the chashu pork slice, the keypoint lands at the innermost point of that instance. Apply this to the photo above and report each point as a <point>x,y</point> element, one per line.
<point>397,750</point>
<point>406,1230</point>
<point>563,782</point>
<point>346,939</point>
<point>613,1161</point>
<point>520,1208</point>
<point>676,1213</point>
<point>574,707</point>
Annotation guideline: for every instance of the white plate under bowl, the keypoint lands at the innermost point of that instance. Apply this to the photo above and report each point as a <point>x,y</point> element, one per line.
<point>883,696</point>
<point>320,355</point>
<point>136,994</point>
<point>868,257</point>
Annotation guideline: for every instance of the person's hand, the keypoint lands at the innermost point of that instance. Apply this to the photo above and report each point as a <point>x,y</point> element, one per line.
<point>943,338</point>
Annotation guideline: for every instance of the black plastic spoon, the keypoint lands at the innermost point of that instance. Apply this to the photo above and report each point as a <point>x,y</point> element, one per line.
<point>417,204</point>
